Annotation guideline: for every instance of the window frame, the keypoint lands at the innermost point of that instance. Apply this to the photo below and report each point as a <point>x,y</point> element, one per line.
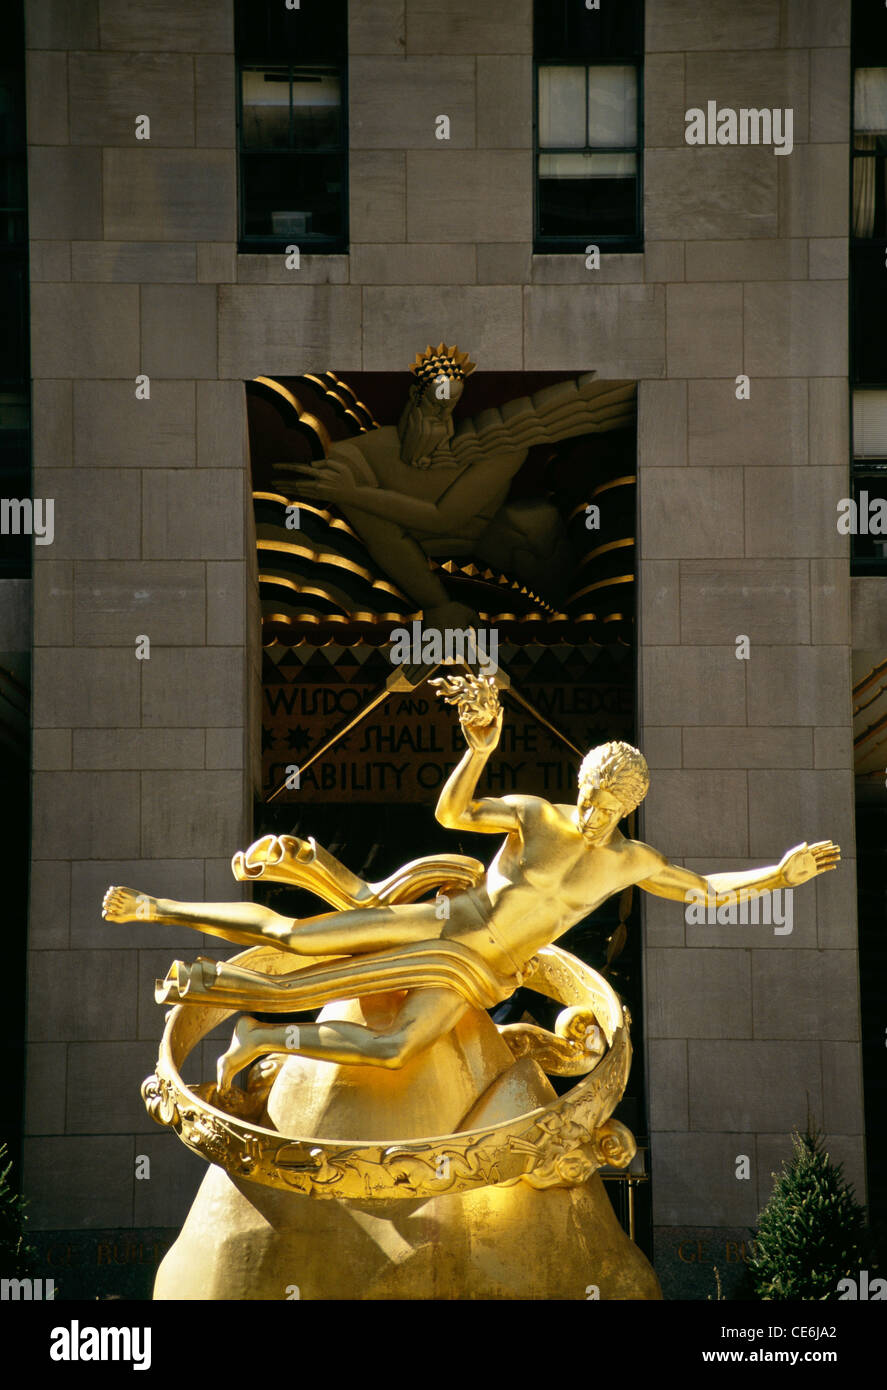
<point>868,49</point>
<point>309,244</point>
<point>856,154</point>
<point>16,479</point>
<point>567,36</point>
<point>553,244</point>
<point>859,246</point>
<point>863,466</point>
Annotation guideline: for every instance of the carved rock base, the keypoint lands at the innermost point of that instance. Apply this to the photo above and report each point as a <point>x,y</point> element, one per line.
<point>245,1241</point>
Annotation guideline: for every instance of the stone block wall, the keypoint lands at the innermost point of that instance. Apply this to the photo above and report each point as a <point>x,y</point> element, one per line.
<point>746,1029</point>
<point>144,770</point>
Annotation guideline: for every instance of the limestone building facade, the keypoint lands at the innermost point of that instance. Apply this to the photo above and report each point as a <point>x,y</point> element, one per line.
<point>145,772</point>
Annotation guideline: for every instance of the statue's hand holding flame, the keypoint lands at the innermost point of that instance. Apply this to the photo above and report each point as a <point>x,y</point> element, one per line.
<point>480,713</point>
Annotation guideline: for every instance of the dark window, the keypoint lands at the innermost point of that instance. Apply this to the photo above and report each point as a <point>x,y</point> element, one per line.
<point>869,153</point>
<point>869,482</point>
<point>869,307</point>
<point>15,460</point>
<point>13,228</point>
<point>868,273</point>
<point>870,496</point>
<point>292,104</point>
<point>869,149</point>
<point>869,32</point>
<point>868,214</point>
<point>588,122</point>
<point>868,284</point>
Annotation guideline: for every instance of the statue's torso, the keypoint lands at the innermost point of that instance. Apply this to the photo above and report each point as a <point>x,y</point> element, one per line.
<point>544,881</point>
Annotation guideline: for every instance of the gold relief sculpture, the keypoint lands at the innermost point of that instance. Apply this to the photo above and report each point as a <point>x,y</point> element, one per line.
<point>441,1107</point>
<point>427,489</point>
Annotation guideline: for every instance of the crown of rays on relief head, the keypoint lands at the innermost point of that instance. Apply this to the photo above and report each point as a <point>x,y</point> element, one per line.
<point>441,361</point>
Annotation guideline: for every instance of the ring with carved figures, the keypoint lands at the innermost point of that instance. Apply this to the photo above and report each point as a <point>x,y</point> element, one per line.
<point>557,1145</point>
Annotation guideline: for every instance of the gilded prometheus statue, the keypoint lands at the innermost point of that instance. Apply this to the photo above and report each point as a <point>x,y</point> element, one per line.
<point>440,1105</point>
<point>471,949</point>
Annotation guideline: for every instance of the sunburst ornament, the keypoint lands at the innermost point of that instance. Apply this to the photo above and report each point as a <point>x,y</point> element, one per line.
<point>434,363</point>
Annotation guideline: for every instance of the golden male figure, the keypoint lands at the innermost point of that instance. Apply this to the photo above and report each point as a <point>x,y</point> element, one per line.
<point>556,864</point>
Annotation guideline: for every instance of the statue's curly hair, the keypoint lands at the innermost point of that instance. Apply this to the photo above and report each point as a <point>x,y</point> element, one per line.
<point>619,769</point>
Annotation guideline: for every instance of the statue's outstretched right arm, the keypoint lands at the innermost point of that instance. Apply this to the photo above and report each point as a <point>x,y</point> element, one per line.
<point>481,718</point>
<point>797,866</point>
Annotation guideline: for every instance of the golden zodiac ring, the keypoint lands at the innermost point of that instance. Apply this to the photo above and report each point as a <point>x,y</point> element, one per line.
<point>557,1145</point>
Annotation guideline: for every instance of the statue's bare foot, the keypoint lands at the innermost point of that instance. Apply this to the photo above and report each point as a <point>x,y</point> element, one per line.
<point>242,1051</point>
<point>128,905</point>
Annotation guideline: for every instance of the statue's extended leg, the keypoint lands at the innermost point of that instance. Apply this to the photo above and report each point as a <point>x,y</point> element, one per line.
<point>424,1016</point>
<point>246,923</point>
<point>330,933</point>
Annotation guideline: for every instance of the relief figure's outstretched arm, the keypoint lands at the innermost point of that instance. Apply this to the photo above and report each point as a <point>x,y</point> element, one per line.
<point>469,496</point>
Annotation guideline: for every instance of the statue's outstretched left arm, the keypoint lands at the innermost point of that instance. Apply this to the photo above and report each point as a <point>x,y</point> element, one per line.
<point>796,867</point>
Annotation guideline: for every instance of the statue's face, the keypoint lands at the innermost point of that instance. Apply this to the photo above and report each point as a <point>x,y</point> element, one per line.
<point>599,815</point>
<point>426,425</point>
